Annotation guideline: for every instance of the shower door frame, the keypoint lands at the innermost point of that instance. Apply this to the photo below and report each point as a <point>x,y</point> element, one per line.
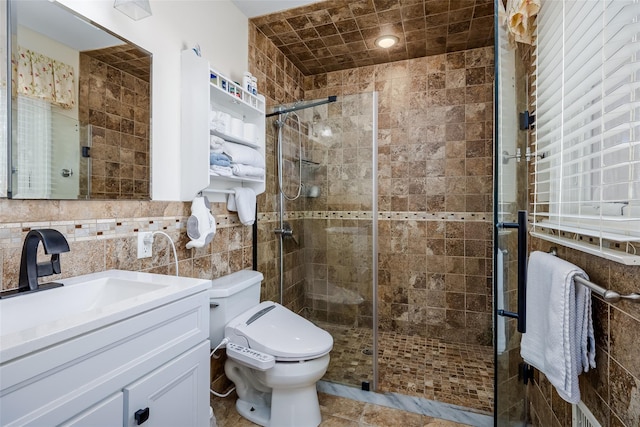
<point>502,157</point>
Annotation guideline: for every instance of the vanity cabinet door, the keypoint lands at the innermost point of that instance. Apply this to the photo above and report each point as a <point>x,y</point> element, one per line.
<point>107,413</point>
<point>176,394</point>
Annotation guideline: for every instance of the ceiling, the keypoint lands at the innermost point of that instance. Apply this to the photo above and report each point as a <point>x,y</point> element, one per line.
<point>334,35</point>
<point>253,8</point>
<point>57,23</point>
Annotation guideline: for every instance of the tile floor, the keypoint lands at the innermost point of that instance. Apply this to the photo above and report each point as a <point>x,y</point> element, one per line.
<point>458,374</point>
<point>338,412</point>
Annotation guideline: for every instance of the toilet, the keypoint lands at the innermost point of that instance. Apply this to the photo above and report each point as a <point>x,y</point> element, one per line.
<point>274,356</point>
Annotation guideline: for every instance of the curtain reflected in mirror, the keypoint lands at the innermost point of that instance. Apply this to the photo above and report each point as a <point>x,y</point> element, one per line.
<point>81,109</point>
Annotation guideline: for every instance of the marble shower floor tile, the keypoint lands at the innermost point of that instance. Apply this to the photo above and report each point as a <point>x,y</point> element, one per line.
<point>338,412</point>
<point>457,374</point>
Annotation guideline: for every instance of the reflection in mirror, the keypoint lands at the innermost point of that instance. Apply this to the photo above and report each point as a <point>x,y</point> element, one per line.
<point>81,107</point>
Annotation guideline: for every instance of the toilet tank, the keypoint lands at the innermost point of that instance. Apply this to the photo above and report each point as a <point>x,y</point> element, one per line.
<point>230,296</point>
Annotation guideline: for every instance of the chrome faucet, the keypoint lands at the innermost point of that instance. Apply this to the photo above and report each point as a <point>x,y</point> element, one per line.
<point>54,243</point>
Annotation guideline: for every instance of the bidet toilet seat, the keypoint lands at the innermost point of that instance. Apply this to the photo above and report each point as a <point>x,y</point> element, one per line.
<point>273,329</point>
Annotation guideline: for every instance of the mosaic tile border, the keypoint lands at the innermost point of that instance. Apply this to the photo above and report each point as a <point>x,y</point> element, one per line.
<point>394,216</point>
<point>12,234</point>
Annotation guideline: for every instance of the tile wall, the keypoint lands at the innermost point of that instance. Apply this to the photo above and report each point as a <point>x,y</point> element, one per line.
<point>103,235</point>
<point>435,184</point>
<point>434,190</point>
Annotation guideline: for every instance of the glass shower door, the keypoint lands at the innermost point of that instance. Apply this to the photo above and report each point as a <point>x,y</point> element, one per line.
<point>335,219</point>
<point>510,196</point>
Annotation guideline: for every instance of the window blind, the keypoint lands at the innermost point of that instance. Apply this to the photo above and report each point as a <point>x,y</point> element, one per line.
<point>587,169</point>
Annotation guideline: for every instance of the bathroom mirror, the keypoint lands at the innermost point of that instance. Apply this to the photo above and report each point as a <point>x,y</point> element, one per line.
<point>80,108</point>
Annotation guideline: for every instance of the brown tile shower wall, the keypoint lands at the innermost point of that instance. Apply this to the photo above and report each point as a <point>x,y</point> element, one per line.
<point>116,104</point>
<point>280,82</point>
<point>435,125</point>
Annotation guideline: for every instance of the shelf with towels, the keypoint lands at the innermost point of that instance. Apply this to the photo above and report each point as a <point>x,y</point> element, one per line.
<point>202,94</point>
<point>239,179</point>
<point>235,139</point>
<point>608,295</point>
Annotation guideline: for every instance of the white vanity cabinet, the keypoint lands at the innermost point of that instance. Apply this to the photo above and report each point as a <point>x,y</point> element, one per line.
<point>200,94</point>
<point>150,368</point>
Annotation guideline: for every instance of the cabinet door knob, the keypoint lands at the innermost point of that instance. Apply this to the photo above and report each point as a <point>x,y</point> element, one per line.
<point>141,415</point>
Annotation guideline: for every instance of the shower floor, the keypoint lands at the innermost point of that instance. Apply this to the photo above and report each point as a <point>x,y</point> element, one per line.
<point>460,374</point>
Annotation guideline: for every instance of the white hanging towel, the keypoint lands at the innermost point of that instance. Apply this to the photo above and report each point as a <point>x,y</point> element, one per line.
<point>559,340</point>
<point>243,201</point>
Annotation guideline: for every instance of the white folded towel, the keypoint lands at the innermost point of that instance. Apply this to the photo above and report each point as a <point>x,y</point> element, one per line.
<point>245,155</point>
<point>243,200</point>
<point>559,340</point>
<point>220,170</point>
<point>216,144</point>
<point>247,171</point>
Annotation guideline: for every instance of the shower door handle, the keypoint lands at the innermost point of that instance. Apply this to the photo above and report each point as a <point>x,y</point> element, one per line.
<point>521,315</point>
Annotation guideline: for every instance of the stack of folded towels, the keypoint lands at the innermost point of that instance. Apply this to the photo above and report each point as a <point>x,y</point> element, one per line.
<point>219,163</point>
<point>245,161</point>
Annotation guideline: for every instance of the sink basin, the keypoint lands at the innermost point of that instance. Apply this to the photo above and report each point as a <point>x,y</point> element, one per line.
<point>34,320</point>
<point>29,310</point>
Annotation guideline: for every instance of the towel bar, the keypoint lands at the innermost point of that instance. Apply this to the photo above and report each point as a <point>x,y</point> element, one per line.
<point>607,294</point>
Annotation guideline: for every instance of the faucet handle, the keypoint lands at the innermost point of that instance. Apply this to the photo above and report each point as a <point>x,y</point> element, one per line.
<point>55,263</point>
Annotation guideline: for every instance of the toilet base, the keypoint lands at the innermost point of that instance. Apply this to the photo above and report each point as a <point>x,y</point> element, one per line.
<point>293,408</point>
<point>258,414</point>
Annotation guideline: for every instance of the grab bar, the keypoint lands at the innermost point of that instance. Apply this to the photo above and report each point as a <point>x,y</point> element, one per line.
<point>608,295</point>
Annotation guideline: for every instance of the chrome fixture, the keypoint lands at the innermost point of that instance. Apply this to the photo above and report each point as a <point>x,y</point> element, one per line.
<point>299,106</point>
<point>286,231</point>
<point>528,155</point>
<point>134,9</point>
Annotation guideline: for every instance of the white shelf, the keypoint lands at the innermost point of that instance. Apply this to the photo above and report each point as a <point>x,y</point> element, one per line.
<point>200,95</point>
<point>236,178</point>
<point>232,138</point>
<point>228,93</point>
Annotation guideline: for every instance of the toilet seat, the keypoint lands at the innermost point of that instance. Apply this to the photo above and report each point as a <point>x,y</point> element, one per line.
<point>273,329</point>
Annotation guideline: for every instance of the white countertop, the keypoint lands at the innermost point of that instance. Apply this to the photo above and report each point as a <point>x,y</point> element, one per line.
<point>33,321</point>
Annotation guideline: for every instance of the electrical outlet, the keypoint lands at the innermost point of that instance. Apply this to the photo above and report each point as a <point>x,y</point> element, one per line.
<point>145,243</point>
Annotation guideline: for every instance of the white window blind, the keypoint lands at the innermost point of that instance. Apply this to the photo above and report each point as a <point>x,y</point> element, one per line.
<point>587,170</point>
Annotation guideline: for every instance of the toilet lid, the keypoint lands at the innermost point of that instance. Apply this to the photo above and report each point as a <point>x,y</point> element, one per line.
<point>276,330</point>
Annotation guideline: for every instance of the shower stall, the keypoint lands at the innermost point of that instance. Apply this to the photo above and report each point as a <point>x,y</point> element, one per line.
<point>393,283</point>
<point>326,225</point>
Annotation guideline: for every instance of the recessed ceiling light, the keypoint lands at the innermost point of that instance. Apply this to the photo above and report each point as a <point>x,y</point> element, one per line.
<point>386,41</point>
